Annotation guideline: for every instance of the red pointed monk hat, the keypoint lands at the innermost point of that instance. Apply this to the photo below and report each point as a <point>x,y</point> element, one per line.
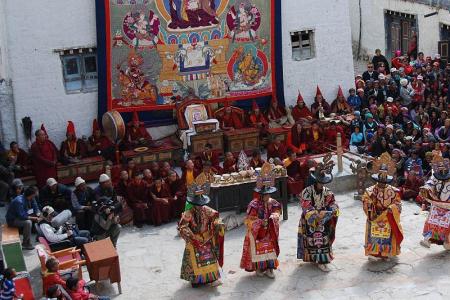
<point>318,91</point>
<point>43,129</point>
<point>70,128</point>
<point>299,97</point>
<point>254,105</point>
<point>135,117</point>
<point>95,126</point>
<point>340,93</point>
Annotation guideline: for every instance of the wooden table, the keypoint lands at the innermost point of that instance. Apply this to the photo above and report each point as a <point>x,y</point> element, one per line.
<point>246,139</point>
<point>88,168</point>
<point>199,141</point>
<point>238,195</point>
<point>12,249</point>
<point>278,132</point>
<point>102,262</point>
<point>172,154</point>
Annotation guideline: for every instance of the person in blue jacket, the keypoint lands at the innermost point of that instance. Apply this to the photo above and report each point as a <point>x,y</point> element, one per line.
<point>22,212</point>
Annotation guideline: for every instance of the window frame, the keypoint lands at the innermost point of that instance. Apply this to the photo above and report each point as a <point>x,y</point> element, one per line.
<point>299,44</point>
<point>82,75</point>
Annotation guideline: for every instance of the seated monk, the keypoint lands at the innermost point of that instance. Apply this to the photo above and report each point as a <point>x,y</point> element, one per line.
<point>18,160</point>
<point>72,149</point>
<point>155,169</point>
<point>161,202</point>
<point>278,115</point>
<point>256,161</point>
<point>299,139</point>
<point>189,173</point>
<point>137,135</point>
<point>411,187</point>
<point>295,181</point>
<point>317,140</point>
<point>300,111</point>
<point>139,200</point>
<point>177,192</point>
<point>230,120</point>
<point>277,149</point>
<point>148,178</point>
<point>229,164</point>
<point>165,169</point>
<point>339,105</point>
<point>130,168</point>
<point>98,144</point>
<point>320,108</point>
<point>331,134</point>
<point>212,157</point>
<point>257,119</point>
<point>122,186</point>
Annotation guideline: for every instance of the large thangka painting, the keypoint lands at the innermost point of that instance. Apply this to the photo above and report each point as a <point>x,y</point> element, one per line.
<point>160,51</point>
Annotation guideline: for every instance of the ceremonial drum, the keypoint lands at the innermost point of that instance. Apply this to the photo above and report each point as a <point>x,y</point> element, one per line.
<point>113,126</point>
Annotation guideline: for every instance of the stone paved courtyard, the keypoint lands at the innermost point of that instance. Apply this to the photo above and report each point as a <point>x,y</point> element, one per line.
<point>151,258</point>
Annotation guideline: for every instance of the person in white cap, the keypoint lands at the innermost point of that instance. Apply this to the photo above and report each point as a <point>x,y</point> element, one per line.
<point>82,198</point>
<point>406,92</point>
<point>56,234</point>
<point>56,195</point>
<point>106,189</point>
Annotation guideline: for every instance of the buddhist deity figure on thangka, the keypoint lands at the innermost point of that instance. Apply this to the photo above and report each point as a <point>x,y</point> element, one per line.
<point>164,51</point>
<point>436,193</point>
<point>382,206</point>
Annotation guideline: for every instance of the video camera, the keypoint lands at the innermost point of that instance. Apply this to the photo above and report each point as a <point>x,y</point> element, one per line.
<point>103,204</point>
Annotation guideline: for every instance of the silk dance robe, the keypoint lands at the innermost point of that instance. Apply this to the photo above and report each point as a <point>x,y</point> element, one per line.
<point>437,225</point>
<point>317,226</point>
<point>384,232</point>
<point>203,231</point>
<point>261,250</point>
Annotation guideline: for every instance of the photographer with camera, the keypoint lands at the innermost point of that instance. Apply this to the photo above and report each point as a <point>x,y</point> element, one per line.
<point>106,220</point>
<point>66,232</point>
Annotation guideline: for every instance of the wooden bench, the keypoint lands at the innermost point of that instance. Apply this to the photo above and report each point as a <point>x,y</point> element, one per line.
<point>12,248</point>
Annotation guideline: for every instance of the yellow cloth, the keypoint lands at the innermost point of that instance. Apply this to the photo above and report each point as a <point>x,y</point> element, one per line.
<point>189,177</point>
<point>316,135</point>
<point>287,162</point>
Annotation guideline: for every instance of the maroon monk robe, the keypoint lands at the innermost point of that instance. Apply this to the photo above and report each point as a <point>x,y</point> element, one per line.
<point>135,134</point>
<point>213,158</point>
<point>231,121</point>
<point>274,150</point>
<point>301,113</point>
<point>99,144</point>
<point>122,189</point>
<point>44,157</point>
<point>139,201</point>
<point>295,182</point>
<point>258,120</point>
<point>256,163</point>
<point>76,149</point>
<point>275,114</point>
<point>161,212</point>
<point>229,166</point>
<point>178,192</point>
